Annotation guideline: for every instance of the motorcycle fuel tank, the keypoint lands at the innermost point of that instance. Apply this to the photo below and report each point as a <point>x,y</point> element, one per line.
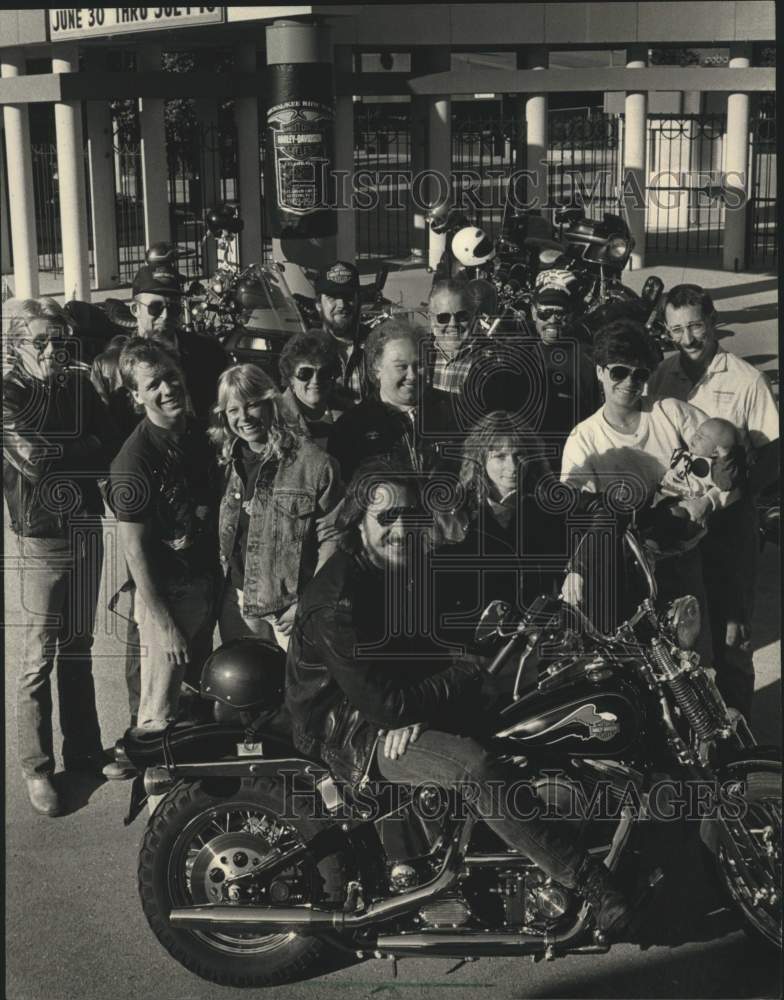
<point>586,720</point>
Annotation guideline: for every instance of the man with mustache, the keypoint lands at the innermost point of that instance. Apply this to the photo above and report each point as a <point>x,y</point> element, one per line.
<point>337,303</point>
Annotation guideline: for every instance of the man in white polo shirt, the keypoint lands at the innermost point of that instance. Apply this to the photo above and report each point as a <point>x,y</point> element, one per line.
<point>723,385</point>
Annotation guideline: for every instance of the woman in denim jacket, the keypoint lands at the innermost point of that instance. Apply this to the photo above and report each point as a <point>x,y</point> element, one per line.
<point>279,487</point>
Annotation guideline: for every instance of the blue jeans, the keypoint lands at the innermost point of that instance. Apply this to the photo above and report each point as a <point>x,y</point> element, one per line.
<point>192,606</point>
<point>60,579</point>
<point>451,761</point>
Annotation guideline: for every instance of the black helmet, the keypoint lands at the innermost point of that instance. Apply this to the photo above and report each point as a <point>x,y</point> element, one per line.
<point>245,673</point>
<point>161,253</point>
<point>224,217</point>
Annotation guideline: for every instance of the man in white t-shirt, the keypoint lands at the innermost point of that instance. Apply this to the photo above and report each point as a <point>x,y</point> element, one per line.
<point>624,449</point>
<point>721,384</point>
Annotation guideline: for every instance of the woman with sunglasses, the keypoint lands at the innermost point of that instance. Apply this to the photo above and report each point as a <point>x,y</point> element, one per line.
<point>279,488</point>
<point>57,442</point>
<point>625,448</point>
<point>309,366</point>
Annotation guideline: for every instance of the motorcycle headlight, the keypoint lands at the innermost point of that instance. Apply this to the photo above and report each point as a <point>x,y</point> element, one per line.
<point>617,248</point>
<point>686,620</point>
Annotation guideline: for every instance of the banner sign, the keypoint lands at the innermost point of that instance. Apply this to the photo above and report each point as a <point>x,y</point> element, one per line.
<point>86,22</point>
<point>300,149</point>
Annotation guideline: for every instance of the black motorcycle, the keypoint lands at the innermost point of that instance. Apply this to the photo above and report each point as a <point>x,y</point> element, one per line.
<point>257,865</point>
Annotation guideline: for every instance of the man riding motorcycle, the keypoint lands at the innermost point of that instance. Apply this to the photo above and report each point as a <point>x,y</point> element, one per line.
<point>357,670</point>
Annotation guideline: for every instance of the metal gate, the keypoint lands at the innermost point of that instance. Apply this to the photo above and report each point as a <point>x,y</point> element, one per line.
<point>382,170</point>
<point>486,150</point>
<point>685,210</point>
<point>762,241</point>
<point>46,193</point>
<point>584,159</point>
<point>202,165</point>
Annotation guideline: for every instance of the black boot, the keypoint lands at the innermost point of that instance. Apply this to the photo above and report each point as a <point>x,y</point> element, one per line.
<point>611,909</point>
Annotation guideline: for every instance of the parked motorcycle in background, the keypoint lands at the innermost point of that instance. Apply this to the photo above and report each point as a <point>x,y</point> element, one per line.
<point>246,884</point>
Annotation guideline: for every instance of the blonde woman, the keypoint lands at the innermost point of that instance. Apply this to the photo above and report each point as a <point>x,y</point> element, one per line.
<point>279,487</point>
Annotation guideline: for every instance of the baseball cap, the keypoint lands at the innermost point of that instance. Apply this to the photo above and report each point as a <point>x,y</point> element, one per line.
<point>555,287</point>
<point>160,279</point>
<point>338,279</point>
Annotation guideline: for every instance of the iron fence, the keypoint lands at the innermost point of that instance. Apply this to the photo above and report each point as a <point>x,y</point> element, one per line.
<point>46,193</point>
<point>129,208</point>
<point>585,159</point>
<point>762,239</point>
<point>685,209</point>
<point>486,150</point>
<point>382,168</point>
<point>202,164</point>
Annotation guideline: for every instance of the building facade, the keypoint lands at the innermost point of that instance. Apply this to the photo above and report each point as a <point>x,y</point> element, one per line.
<point>122,125</point>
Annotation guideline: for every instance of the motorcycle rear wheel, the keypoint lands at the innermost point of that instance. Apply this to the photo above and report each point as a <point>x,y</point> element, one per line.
<point>195,840</point>
<point>762,917</point>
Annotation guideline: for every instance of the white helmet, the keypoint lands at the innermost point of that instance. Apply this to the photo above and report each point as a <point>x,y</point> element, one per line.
<point>472,246</point>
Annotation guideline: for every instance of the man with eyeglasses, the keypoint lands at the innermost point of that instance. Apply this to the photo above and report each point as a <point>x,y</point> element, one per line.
<point>723,385</point>
<point>337,303</point>
<point>373,690</point>
<point>157,305</point>
<point>58,441</point>
<point>452,316</point>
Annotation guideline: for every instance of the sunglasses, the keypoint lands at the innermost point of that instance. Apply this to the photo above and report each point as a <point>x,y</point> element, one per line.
<point>619,372</point>
<point>155,309</point>
<point>306,373</point>
<point>461,318</point>
<point>408,515</point>
<point>550,313</point>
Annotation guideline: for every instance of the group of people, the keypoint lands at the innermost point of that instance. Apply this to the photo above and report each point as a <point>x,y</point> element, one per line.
<point>283,511</point>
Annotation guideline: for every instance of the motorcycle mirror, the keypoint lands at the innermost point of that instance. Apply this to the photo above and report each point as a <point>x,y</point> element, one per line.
<point>491,621</point>
<point>642,561</point>
<point>652,290</point>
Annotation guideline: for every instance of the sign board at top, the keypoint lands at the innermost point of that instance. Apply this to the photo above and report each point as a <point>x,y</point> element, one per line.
<point>88,22</point>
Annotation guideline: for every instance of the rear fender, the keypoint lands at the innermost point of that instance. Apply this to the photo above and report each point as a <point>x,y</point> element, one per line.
<point>746,761</point>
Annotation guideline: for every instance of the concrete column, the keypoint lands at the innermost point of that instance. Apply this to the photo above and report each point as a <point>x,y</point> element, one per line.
<point>246,119</point>
<point>71,182</point>
<point>290,43</point>
<point>155,168</point>
<point>5,231</point>
<point>535,107</point>
<point>344,159</point>
<point>634,167</point>
<point>20,185</point>
<point>100,159</point>
<point>736,167</point>
<point>209,172</point>
<point>438,189</point>
<point>419,117</point>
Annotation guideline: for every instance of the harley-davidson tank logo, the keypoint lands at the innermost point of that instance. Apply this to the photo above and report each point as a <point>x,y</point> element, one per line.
<point>585,723</point>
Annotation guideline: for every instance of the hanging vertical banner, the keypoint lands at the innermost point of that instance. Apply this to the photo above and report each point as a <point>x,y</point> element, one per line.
<point>300,145</point>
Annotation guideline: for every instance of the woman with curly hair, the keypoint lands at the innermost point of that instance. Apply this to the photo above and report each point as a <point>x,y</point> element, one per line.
<point>309,366</point>
<point>279,487</point>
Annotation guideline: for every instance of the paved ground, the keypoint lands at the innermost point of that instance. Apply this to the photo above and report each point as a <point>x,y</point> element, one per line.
<point>75,930</point>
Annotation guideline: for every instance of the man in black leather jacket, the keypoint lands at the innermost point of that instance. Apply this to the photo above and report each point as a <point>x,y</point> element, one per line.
<point>57,442</point>
<point>359,666</point>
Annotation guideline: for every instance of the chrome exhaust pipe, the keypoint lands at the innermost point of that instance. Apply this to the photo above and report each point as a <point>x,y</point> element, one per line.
<point>456,945</point>
<point>312,918</point>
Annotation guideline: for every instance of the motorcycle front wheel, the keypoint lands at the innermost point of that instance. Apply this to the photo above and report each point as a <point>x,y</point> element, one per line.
<point>760,904</point>
<point>197,839</point>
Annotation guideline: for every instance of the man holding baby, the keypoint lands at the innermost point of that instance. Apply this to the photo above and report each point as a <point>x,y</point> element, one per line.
<point>724,386</point>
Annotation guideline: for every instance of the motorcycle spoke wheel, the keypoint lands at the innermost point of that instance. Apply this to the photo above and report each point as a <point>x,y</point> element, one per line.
<point>760,903</point>
<point>198,840</point>
<point>225,844</point>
